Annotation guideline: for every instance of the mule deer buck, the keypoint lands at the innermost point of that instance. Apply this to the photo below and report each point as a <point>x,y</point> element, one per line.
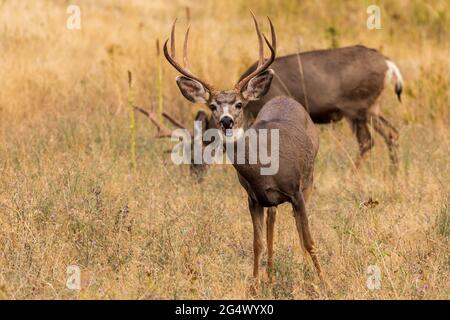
<point>298,143</point>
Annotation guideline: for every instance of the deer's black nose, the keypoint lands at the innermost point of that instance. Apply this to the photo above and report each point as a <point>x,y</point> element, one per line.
<point>226,122</point>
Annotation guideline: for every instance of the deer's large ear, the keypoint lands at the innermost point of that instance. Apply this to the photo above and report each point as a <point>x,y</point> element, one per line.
<point>192,90</point>
<point>258,86</point>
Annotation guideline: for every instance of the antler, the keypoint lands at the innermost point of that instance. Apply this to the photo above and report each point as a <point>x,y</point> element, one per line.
<point>163,131</point>
<point>262,65</point>
<point>174,121</point>
<point>171,58</point>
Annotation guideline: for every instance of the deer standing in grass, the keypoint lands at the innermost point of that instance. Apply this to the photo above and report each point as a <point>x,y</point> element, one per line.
<point>298,143</point>
<point>339,83</point>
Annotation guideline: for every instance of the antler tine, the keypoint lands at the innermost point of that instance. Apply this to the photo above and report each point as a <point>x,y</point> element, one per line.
<point>172,39</point>
<point>269,61</point>
<point>185,48</point>
<point>260,40</point>
<point>261,66</point>
<point>174,121</point>
<point>274,37</point>
<point>176,65</point>
<point>163,131</point>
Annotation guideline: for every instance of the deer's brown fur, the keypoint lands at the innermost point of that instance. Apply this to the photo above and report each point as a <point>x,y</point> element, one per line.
<point>298,146</point>
<point>339,83</point>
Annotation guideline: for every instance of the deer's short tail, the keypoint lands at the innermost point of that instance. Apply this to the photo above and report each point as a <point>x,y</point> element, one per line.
<point>394,70</point>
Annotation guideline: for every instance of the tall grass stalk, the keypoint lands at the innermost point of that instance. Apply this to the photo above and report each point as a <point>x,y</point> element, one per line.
<point>160,79</point>
<point>132,122</point>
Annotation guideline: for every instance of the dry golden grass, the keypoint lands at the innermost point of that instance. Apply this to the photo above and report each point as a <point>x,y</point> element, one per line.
<point>68,196</point>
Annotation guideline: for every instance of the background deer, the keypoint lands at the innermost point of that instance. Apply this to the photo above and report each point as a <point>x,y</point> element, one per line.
<point>298,143</point>
<point>198,171</point>
<point>338,83</point>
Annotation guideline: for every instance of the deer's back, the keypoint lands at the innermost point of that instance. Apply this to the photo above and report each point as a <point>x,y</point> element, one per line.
<point>336,80</point>
<point>290,117</point>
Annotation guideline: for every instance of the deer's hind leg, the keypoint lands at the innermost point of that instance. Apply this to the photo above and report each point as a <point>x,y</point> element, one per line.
<point>389,133</point>
<point>257,213</point>
<point>365,141</point>
<point>308,190</point>
<point>304,233</point>
<point>271,216</point>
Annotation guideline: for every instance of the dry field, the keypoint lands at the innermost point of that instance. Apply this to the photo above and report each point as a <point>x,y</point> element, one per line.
<point>68,195</point>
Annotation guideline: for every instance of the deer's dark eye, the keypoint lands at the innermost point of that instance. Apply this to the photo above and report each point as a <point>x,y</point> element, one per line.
<point>238,105</point>
<point>213,107</point>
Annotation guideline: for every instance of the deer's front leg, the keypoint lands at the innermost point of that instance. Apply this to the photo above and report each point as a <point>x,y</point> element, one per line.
<point>257,213</point>
<point>271,214</point>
